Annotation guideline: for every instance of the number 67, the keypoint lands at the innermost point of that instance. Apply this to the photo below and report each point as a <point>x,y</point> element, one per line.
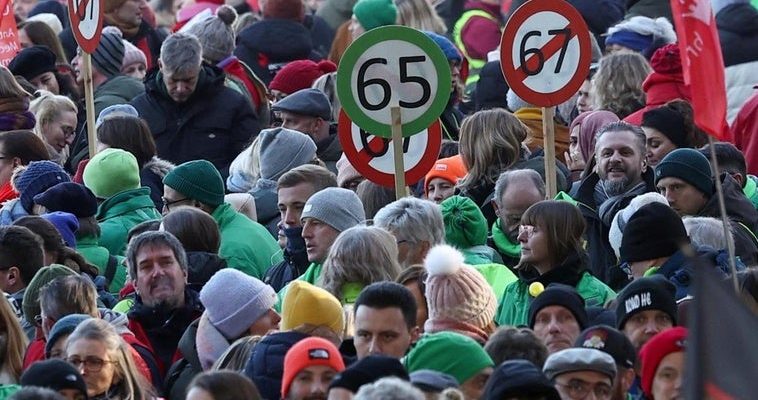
<point>363,83</point>
<point>524,52</point>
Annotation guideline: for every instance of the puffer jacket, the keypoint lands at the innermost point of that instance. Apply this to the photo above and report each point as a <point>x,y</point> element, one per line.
<point>266,364</point>
<point>120,213</point>
<point>680,270</point>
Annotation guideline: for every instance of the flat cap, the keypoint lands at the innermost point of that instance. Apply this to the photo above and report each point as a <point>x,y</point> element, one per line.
<point>311,102</point>
<point>579,359</point>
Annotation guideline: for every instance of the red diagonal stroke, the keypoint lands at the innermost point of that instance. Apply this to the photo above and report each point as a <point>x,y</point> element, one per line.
<point>548,50</point>
<point>81,9</point>
<point>362,154</point>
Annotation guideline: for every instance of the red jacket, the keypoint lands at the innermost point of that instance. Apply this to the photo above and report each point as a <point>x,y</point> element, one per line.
<point>660,89</point>
<point>745,133</point>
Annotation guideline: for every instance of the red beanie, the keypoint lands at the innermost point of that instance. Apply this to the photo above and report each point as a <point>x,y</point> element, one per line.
<point>299,75</point>
<point>307,353</point>
<point>450,169</point>
<point>659,346</point>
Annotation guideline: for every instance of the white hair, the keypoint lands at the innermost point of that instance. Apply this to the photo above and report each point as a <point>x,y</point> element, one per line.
<point>413,219</point>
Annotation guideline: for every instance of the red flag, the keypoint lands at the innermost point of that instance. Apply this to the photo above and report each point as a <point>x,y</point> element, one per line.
<point>9,44</point>
<point>702,64</point>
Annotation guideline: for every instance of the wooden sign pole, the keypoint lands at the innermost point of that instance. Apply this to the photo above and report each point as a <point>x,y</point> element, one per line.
<point>397,148</point>
<point>548,133</point>
<point>89,103</point>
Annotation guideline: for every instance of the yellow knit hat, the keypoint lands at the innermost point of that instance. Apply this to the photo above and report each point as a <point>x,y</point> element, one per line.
<point>308,304</point>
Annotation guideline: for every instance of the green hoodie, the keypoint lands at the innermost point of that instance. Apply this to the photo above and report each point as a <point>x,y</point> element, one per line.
<point>120,213</point>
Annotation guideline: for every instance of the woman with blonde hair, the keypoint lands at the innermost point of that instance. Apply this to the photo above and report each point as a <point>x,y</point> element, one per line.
<point>14,103</point>
<point>56,123</point>
<point>419,14</point>
<point>14,344</point>
<point>105,362</point>
<point>617,85</point>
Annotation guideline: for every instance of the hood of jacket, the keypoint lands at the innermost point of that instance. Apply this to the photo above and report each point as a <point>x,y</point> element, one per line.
<point>210,343</point>
<point>159,166</point>
<point>266,365</point>
<point>121,86</point>
<point>278,40</point>
<point>124,202</point>
<point>201,266</point>
<point>266,199</point>
<point>738,207</point>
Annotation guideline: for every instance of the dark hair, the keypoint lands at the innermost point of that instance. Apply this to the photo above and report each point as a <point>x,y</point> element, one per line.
<point>142,227</point>
<point>448,149</point>
<point>563,224</point>
<point>53,243</point>
<point>509,343</point>
<point>153,239</point>
<point>21,248</point>
<point>196,229</point>
<point>389,294</point>
<point>36,393</point>
<point>88,227</point>
<point>226,385</point>
<point>622,126</point>
<point>25,145</point>
<point>374,197</point>
<point>41,34</point>
<point>695,136</point>
<point>129,133</point>
<point>320,177</point>
<point>729,158</point>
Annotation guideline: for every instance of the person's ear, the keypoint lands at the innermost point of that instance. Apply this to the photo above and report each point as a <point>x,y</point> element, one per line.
<point>495,207</point>
<point>415,334</point>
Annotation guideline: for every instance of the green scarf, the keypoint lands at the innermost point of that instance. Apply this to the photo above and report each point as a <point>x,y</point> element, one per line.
<point>504,245</point>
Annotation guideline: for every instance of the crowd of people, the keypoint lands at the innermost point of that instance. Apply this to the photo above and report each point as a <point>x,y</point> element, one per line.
<point>220,245</point>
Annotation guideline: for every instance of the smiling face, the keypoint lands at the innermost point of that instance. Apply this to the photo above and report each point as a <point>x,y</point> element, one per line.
<point>60,132</point>
<point>160,279</point>
<point>620,162</point>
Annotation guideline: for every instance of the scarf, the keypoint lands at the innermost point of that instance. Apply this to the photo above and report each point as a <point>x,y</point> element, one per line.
<point>608,205</point>
<point>7,192</point>
<point>504,243</point>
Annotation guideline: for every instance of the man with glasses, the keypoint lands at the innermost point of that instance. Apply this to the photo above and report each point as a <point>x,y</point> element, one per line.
<point>245,244</point>
<point>577,372</point>
<point>515,192</point>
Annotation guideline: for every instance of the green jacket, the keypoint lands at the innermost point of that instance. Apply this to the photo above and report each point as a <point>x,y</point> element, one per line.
<point>99,256</point>
<point>514,306</point>
<point>498,276</point>
<point>120,213</point>
<point>245,244</point>
<point>310,275</point>
<point>751,190</point>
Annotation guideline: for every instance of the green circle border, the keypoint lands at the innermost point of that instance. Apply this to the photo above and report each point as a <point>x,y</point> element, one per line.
<point>378,35</point>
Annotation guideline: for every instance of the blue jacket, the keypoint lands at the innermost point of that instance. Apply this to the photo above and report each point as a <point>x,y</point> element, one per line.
<point>680,270</point>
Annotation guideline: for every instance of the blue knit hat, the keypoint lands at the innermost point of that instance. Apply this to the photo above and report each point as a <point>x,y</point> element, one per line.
<point>69,197</point>
<point>62,327</point>
<point>451,52</point>
<point>630,40</point>
<point>38,177</point>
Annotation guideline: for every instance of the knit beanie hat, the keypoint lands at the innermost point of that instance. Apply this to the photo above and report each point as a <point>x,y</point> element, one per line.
<point>654,231</point>
<point>611,341</point>
<point>616,232</point>
<point>669,122</point>
<point>308,304</point>
<point>308,353</point>
<point>54,374</point>
<point>443,352</point>
<point>368,370</point>
<point>339,208</point>
<point>109,54</point>
<point>465,225</point>
<point>450,169</point>
<point>300,74</point>
<point>30,303</point>
<point>672,340</point>
<point>579,359</point>
<point>557,294</point>
<point>639,33</point>
<point>653,292</point>
<point>516,379</point>
<point>111,171</point>
<point>375,13</point>
<point>456,292</point>
<point>32,62</point>
<point>345,171</point>
<point>69,197</point>
<point>233,315</point>
<point>283,149</point>
<point>63,327</point>
<point>448,48</point>
<point>216,34</point>
<point>66,223</point>
<point>132,55</point>
<point>36,178</point>
<point>198,180</point>
<point>688,165</point>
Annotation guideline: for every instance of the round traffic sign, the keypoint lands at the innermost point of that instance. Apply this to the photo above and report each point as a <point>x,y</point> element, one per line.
<point>545,52</point>
<point>373,156</point>
<point>86,17</point>
<point>393,66</point>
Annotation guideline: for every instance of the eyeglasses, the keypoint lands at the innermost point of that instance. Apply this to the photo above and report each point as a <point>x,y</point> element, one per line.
<point>167,204</point>
<point>91,363</point>
<point>526,229</point>
<point>577,389</point>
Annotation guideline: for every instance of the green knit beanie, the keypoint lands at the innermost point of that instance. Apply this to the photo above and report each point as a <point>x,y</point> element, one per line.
<point>465,225</point>
<point>45,275</point>
<point>375,13</point>
<point>450,353</point>
<point>111,171</point>
<point>198,180</point>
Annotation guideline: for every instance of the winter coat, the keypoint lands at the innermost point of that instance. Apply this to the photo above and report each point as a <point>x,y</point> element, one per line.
<point>532,118</point>
<point>266,204</point>
<point>292,267</point>
<point>215,123</point>
<point>737,24</point>
<point>497,275</point>
<point>160,331</point>
<point>745,133</point>
<point>152,175</point>
<point>272,43</point>
<point>11,211</point>
<point>266,365</point>
<point>680,270</point>
<point>120,89</point>
<point>200,268</point>
<point>750,190</point>
<point>336,12</point>
<point>147,39</point>
<point>322,34</point>
<point>329,150</point>
<point>660,89</point>
<point>113,268</point>
<point>120,213</point>
<point>245,244</point>
<point>184,369</point>
<point>649,8</point>
<point>742,216</point>
<point>514,307</point>
<point>603,262</point>
<point>258,91</point>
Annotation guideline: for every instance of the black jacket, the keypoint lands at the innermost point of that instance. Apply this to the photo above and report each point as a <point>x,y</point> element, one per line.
<point>146,36</point>
<point>738,33</point>
<point>322,35</point>
<point>201,267</point>
<point>295,261</point>
<point>183,370</point>
<point>266,365</point>
<point>216,123</point>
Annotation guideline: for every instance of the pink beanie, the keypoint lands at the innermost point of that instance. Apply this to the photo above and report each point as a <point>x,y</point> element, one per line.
<point>458,297</point>
<point>133,55</point>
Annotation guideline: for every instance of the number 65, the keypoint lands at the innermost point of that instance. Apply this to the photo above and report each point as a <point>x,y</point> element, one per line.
<point>363,83</point>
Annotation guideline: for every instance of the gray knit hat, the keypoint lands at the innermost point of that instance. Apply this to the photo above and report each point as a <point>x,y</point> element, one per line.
<point>109,54</point>
<point>283,149</point>
<point>216,34</point>
<point>233,315</point>
<point>337,207</point>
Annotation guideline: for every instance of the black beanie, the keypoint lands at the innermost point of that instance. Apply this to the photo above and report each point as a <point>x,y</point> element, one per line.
<point>688,165</point>
<point>654,231</point>
<point>557,294</point>
<point>54,374</point>
<point>649,293</point>
<point>369,370</point>
<point>668,122</point>
<point>32,62</point>
<point>611,341</point>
